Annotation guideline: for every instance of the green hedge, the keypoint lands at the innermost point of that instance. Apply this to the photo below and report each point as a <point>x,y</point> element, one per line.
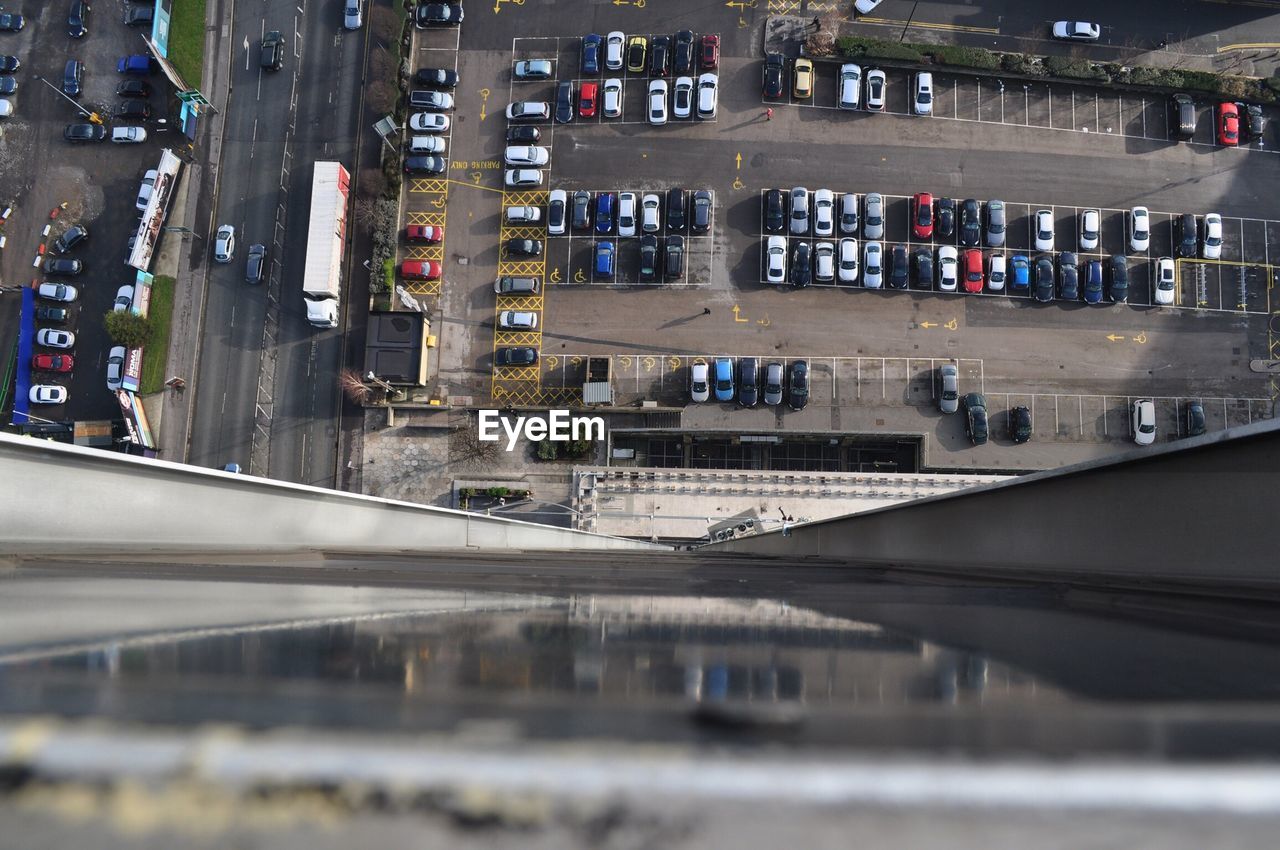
<point>1020,63</point>
<point>968,57</point>
<point>855,47</point>
<point>160,313</point>
<point>1074,69</point>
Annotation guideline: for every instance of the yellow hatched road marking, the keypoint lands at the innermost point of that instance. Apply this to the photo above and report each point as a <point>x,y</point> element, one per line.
<point>516,373</point>
<point>519,302</point>
<point>422,287</point>
<point>522,199</point>
<point>425,252</point>
<point>423,184</point>
<point>529,338</point>
<point>433,218</point>
<point>522,268</point>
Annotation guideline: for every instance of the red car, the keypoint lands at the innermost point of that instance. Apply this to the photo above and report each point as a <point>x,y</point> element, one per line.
<point>587,99</point>
<point>710,56</point>
<point>53,362</point>
<point>922,215</point>
<point>973,270</point>
<point>420,270</point>
<point>423,233</point>
<point>1228,124</point>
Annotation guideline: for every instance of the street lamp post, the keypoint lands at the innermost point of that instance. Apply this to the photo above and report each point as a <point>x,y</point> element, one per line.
<point>93,117</point>
<point>908,23</point>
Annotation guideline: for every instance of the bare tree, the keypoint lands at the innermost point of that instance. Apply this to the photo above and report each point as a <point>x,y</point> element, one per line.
<point>353,386</point>
<point>372,182</point>
<point>381,95</point>
<point>385,23</point>
<point>467,451</point>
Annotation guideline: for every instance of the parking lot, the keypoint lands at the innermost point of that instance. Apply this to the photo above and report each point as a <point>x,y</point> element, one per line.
<point>873,355</point>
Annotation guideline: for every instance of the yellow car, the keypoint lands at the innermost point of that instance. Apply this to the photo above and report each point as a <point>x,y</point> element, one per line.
<point>803,86</point>
<point>637,45</point>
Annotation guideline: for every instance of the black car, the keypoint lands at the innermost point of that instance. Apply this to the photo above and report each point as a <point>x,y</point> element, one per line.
<point>1253,124</point>
<point>1044,279</point>
<point>51,314</point>
<point>9,64</point>
<point>975,417</point>
<point>555,215</point>
<point>522,356</point>
<point>659,51</point>
<point>774,214</point>
<point>1020,424</point>
<point>798,385</point>
<point>1119,279</point>
<point>271,55</point>
<point>801,262</point>
<point>970,223</point>
<point>134,88</point>
<point>139,16</point>
<point>134,108</point>
<point>424,165</point>
<point>581,210</point>
<point>1068,277</point>
<point>564,103</point>
<point>648,257</point>
<point>60,266</point>
<point>441,78</point>
<point>924,268</point>
<point>675,209</point>
<point>8,85</point>
<point>1188,233</point>
<point>256,266</point>
<point>524,247</point>
<point>946,224</point>
<point>438,15</point>
<point>524,135</point>
<point>73,237</point>
<point>78,19</point>
<point>684,55</point>
<point>701,219</point>
<point>748,381</point>
<point>673,258</point>
<point>84,133</point>
<point>72,76</point>
<point>12,23</point>
<point>899,268</point>
<point>1182,116</point>
<point>1195,419</point>
<point>775,72</point>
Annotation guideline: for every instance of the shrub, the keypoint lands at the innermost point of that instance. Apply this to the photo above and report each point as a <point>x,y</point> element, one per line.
<point>1232,88</point>
<point>388,275</point>
<point>547,450</point>
<point>1074,69</point>
<point>497,492</point>
<point>1200,80</point>
<point>1273,83</point>
<point>1020,63</point>
<point>856,47</point>
<point>967,57</point>
<point>129,330</point>
<point>1143,76</point>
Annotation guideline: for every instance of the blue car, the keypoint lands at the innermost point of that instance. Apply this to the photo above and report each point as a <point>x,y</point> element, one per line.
<point>1093,282</point>
<point>591,54</point>
<point>723,379</point>
<point>604,259</point>
<point>1019,272</point>
<point>604,212</point>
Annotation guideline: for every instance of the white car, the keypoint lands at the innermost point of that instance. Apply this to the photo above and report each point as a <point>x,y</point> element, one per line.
<point>47,394</point>
<point>849,91</point>
<point>63,292</point>
<point>611,98</point>
<point>775,259</point>
<point>682,98</point>
<point>526,155</point>
<point>824,212</point>
<point>523,214</point>
<point>1143,421</point>
<point>1089,226</point>
<point>532,69</point>
<point>1044,230</point>
<point>528,109</point>
<point>1076,31</point>
<point>824,262</point>
<point>124,299</point>
<point>353,15</point>
<point>613,44</point>
<point>949,398</point>
<point>6,108</point>
<point>54,338</point>
<point>1166,281</point>
<point>847,267</point>
<point>699,386</point>
<point>128,135</point>
<point>517,320</point>
<point>224,244</point>
<point>708,86</point>
<point>626,213</point>
<point>872,270</point>
<point>922,100</point>
<point>864,7</point>
<point>437,101</point>
<point>115,367</point>
<point>948,268</point>
<point>1211,248</point>
<point>419,145</point>
<point>877,82</point>
<point>996,273</point>
<point>517,178</point>
<point>650,213</point>
<point>658,103</point>
<point>558,199</point>
<point>1139,230</point>
<point>430,122</point>
<point>148,186</point>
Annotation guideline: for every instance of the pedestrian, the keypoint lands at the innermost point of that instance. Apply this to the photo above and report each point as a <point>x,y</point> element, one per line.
<point>706,311</point>
<point>768,114</point>
<point>817,23</point>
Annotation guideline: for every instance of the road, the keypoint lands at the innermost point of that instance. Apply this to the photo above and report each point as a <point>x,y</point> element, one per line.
<point>267,398</point>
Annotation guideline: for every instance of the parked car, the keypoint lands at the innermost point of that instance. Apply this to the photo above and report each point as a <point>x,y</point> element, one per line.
<point>775,259</point>
<point>922,215</point>
<point>949,388</point>
<point>1182,116</point>
<point>708,89</point>
<point>799,211</point>
<point>128,135</point>
<point>651,213</point>
<point>78,19</point>
<point>847,267</point>
<point>995,224</point>
<point>824,212</point>
<point>873,265</point>
<point>723,372</point>
<point>124,299</point>
<point>523,110</point>
<point>700,207</point>
<point>438,15</point>
<point>873,216</point>
<point>1019,273</point>
<point>948,268</point>
<point>611,98</point>
<point>604,259</point>
<point>523,214</point>
<point>699,384</point>
<point>709,55</point>
<point>824,262</point>
<point>518,356</point>
<point>420,270</point>
<point>899,268</point>
<point>137,64</point>
<point>1020,424</point>
<point>945,221</point>
<point>430,99</point>
<point>591,47</point>
<point>353,14</point>
<point>139,16</point>
<point>1068,277</point>
<point>84,133</point>
<point>1195,419</point>
<point>564,103</point>
<point>515,285</point>
<point>849,213</point>
<point>675,209</point>
<point>973,277</point>
<point>1166,281</point>
<point>849,86</point>
<point>970,223</point>
<point>648,257</point>
<point>1043,291</point>
<point>604,212</point>
<point>1211,247</point>
<point>798,385</point>
<point>520,178</point>
<point>423,233</point>
<point>995,272</point>
<point>145,189</point>
<point>682,97</point>
<point>1188,236</point>
<point>922,99</point>
<point>73,236</point>
<point>1092,290</point>
<point>1044,230</point>
<point>431,122</point>
<point>425,165</point>
<point>660,56</point>
<point>62,266</point>
<point>682,57</point>
<point>922,258</point>
<point>1142,420</point>
<point>1090,224</point>
<point>517,320</point>
<point>532,69</point>
<point>1139,230</point>
<point>53,362</point>
<point>748,381</point>
<point>72,78</point>
<point>800,265</point>
<point>581,217</point>
<point>637,49</point>
<point>876,89</point>
<point>613,44</point>
<point>1119,290</point>
<point>1228,124</point>
<point>658,102</point>
<point>419,145</point>
<point>1253,122</point>
<point>52,314</point>
<point>47,394</point>
<point>55,338</point>
<point>975,418</point>
<point>773,384</point>
<point>774,81</point>
<point>523,247</point>
<point>64,292</point>
<point>526,155</point>
<point>802,79</point>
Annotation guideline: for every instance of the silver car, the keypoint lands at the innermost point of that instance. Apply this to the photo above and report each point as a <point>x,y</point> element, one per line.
<point>353,14</point>
<point>873,216</point>
<point>224,245</point>
<point>773,383</point>
<point>995,224</point>
<point>949,398</point>
<point>800,211</point>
